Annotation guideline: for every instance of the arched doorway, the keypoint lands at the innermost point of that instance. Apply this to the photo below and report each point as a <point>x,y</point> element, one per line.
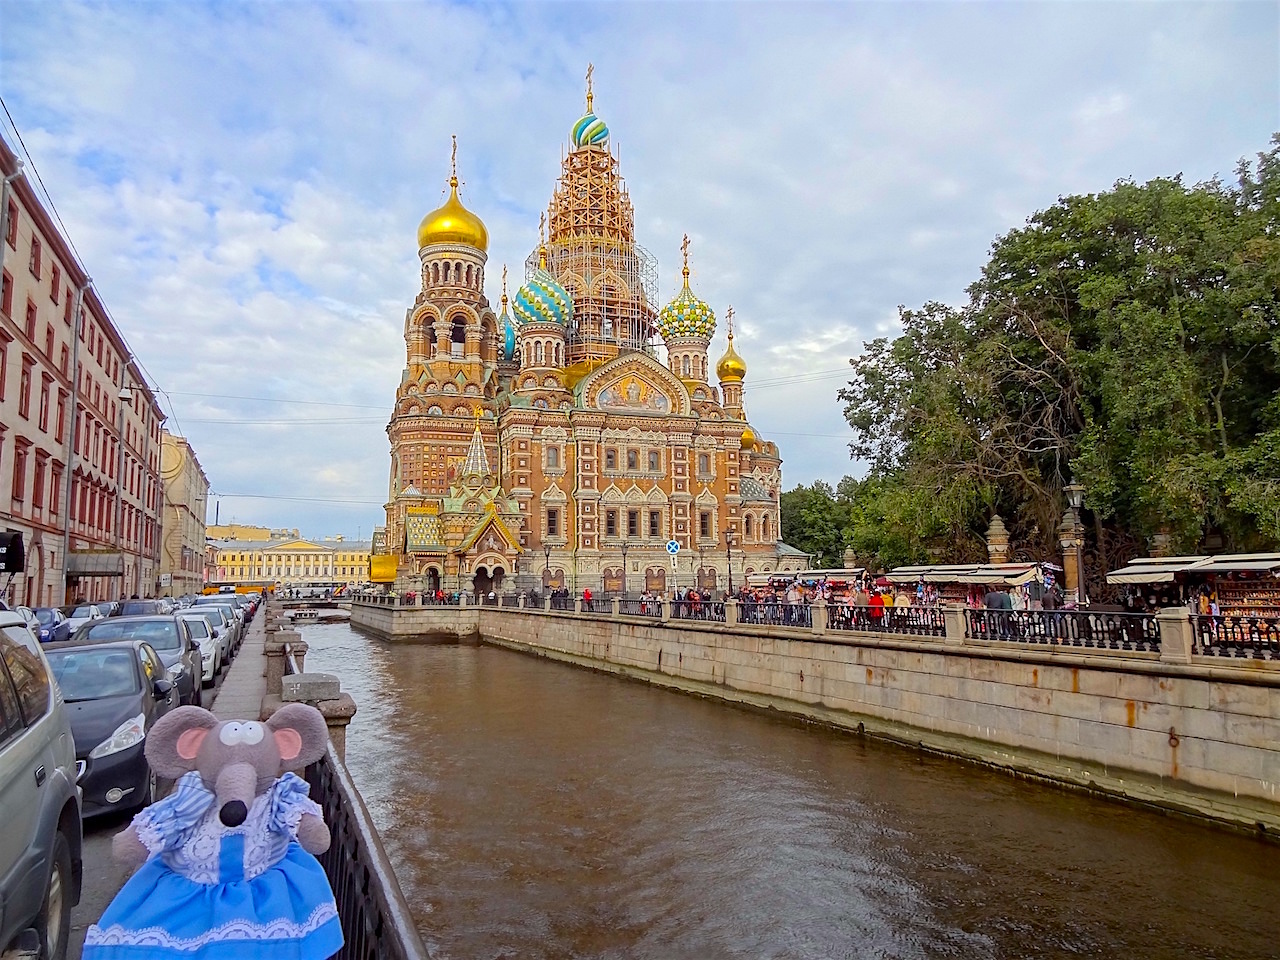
<point>488,581</point>
<point>35,576</point>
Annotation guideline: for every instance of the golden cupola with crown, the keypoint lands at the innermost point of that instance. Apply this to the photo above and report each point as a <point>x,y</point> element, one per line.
<point>452,222</point>
<point>732,370</point>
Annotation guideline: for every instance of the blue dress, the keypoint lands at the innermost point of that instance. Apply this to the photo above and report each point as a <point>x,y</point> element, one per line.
<point>212,892</point>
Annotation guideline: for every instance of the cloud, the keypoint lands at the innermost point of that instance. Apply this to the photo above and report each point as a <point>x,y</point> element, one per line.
<point>244,181</point>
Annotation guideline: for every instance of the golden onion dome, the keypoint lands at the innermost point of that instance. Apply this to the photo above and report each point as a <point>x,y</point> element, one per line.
<point>748,439</point>
<point>731,368</point>
<point>453,223</point>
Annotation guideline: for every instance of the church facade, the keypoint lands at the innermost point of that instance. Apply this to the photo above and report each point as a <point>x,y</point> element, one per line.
<point>548,444</point>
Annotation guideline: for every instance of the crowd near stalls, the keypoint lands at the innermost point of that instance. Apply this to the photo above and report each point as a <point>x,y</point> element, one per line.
<point>1228,585</point>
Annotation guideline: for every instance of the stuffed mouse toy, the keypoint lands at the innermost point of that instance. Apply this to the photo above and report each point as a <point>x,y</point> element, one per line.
<point>228,866</point>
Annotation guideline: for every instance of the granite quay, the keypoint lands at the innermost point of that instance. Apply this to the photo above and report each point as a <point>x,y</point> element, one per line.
<point>1137,707</point>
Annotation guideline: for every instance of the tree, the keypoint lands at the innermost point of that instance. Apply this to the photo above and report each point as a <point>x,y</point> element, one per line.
<point>1128,340</point>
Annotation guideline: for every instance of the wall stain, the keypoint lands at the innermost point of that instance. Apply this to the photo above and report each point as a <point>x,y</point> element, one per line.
<point>1035,676</point>
<point>1075,679</point>
<point>1131,712</point>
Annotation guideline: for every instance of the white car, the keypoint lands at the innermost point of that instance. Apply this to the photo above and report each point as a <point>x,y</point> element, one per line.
<point>203,634</point>
<point>220,627</point>
<point>85,613</point>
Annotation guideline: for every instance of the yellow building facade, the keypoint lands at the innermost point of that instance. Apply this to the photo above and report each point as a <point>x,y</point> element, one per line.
<point>292,562</point>
<point>579,436</point>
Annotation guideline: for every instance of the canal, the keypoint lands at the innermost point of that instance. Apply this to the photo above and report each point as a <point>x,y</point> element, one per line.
<point>538,810</point>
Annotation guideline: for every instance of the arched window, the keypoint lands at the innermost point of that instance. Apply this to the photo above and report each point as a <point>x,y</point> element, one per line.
<point>458,336</point>
<point>447,267</point>
<point>686,367</point>
<point>457,272</point>
<point>435,273</point>
<point>557,353</point>
<point>468,274</point>
<point>748,524</point>
<point>539,354</point>
<point>553,457</point>
<point>764,527</point>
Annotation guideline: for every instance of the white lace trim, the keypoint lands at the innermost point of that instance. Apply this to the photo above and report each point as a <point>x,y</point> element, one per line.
<point>281,929</point>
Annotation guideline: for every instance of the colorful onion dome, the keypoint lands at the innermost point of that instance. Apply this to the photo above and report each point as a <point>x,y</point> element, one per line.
<point>453,223</point>
<point>686,315</point>
<point>542,299</point>
<point>508,325</point>
<point>589,131</point>
<point>748,439</point>
<point>731,368</point>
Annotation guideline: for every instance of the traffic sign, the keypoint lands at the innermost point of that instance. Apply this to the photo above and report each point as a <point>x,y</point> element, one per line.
<point>673,547</point>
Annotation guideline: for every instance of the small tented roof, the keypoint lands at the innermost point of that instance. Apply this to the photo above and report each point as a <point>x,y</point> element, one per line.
<point>1012,574</point>
<point>1164,569</point>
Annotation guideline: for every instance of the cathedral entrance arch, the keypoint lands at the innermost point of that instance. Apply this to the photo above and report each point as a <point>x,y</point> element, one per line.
<point>488,579</point>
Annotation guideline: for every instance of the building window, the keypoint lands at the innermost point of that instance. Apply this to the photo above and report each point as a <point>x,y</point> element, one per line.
<point>48,341</point>
<point>655,523</point>
<point>36,253</point>
<point>553,522</point>
<point>704,524</point>
<point>66,310</point>
<point>553,457</point>
<point>704,463</point>
<point>655,461</point>
<point>747,523</point>
<point>37,486</point>
<point>24,390</point>
<point>55,490</point>
<point>6,294</point>
<point>633,460</point>
<point>62,360</point>
<point>44,406</point>
<point>633,523</point>
<point>764,527</point>
<point>11,225</point>
<point>611,523</point>
<point>611,459</point>
<point>4,364</point>
<point>31,321</point>
<point>62,417</point>
<point>20,473</point>
<point>55,285</point>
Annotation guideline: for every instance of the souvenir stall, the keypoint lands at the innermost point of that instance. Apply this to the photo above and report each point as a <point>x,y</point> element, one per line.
<point>943,584</point>
<point>1231,585</point>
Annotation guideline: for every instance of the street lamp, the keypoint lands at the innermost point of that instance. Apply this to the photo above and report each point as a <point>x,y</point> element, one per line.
<point>624,568</point>
<point>124,396</point>
<point>701,566</point>
<point>546,570</point>
<point>728,556</point>
<point>1075,495</point>
<point>1074,529</point>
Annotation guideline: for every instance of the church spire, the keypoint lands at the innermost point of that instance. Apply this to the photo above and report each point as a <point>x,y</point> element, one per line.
<point>476,467</point>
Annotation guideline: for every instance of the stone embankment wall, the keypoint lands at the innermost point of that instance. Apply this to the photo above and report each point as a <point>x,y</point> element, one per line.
<point>1195,734</point>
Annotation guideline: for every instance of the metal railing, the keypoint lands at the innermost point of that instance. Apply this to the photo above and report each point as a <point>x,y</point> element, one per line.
<point>372,910</point>
<point>1072,628</point>
<point>1237,635</point>
<point>640,608</point>
<point>775,614</point>
<point>712,610</point>
<point>912,621</point>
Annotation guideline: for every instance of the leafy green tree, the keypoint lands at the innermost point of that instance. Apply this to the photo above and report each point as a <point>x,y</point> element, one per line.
<point>1129,340</point>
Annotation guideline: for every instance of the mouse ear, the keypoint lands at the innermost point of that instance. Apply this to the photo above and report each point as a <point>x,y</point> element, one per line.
<point>300,733</point>
<point>174,741</point>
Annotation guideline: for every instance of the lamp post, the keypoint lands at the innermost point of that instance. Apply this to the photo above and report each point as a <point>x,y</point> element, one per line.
<point>123,397</point>
<point>1071,536</point>
<point>728,557</point>
<point>624,569</point>
<point>701,567</point>
<point>546,570</point>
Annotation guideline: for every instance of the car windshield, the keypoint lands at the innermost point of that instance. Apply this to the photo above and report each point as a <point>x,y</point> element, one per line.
<point>44,615</point>
<point>89,674</point>
<point>132,608</point>
<point>85,611</point>
<point>161,634</point>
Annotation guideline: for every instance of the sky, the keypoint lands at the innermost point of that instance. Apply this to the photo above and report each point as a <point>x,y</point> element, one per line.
<point>244,181</point>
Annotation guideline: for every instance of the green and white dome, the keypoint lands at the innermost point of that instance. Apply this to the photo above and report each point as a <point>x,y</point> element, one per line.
<point>686,316</point>
<point>542,300</point>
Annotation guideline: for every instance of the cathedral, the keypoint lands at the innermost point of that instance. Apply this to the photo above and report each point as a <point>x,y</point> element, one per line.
<point>548,445</point>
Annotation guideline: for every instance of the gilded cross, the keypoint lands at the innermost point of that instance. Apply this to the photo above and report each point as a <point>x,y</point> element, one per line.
<point>728,315</point>
<point>453,156</point>
<point>591,68</point>
<point>684,248</point>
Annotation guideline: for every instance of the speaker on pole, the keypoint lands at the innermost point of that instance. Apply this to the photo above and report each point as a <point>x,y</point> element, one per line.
<point>13,558</point>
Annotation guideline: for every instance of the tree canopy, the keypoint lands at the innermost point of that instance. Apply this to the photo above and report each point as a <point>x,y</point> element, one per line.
<point>1126,340</point>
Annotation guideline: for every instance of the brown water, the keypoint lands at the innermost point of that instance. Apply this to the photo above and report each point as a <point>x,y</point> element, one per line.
<point>539,810</point>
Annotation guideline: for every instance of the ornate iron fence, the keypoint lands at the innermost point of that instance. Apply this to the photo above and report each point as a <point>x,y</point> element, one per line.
<point>1237,635</point>
<point>1072,628</point>
<point>775,614</point>
<point>640,608</point>
<point>712,610</point>
<point>912,621</point>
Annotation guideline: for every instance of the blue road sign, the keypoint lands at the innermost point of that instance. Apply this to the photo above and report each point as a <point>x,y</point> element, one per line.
<point>673,547</point>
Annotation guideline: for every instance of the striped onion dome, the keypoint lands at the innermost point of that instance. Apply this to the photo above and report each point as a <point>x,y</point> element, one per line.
<point>543,300</point>
<point>508,334</point>
<point>686,316</point>
<point>589,131</point>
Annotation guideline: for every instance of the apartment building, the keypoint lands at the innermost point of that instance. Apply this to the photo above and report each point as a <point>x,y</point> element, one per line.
<point>186,493</point>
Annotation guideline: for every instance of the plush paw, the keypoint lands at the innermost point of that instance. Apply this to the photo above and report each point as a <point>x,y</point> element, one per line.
<point>313,835</point>
<point>128,849</point>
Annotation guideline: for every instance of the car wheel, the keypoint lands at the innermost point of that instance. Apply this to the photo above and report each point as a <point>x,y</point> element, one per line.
<point>54,922</point>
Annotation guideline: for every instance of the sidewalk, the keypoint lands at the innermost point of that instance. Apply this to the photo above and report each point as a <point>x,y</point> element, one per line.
<point>240,696</point>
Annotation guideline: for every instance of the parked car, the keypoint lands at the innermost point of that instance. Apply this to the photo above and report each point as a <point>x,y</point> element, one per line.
<point>115,692</point>
<point>84,613</point>
<point>168,636</point>
<point>202,632</point>
<point>53,625</point>
<point>40,843</point>
<point>232,614</point>
<point>223,629</point>
<point>32,621</point>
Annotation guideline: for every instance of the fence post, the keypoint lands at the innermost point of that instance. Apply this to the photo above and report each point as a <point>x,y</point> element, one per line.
<point>323,692</point>
<point>546,603</point>
<point>665,607</point>
<point>520,601</point>
<point>1177,641</point>
<point>462,599</point>
<point>818,617</point>
<point>577,604</point>
<point>730,612</point>
<point>614,604</point>
<point>953,621</point>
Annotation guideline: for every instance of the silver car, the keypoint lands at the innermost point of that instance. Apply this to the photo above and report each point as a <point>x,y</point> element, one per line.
<point>40,845</point>
<point>85,613</point>
<point>230,613</point>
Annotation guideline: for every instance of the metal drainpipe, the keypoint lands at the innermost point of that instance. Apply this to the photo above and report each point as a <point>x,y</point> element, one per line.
<point>77,320</point>
<point>4,208</point>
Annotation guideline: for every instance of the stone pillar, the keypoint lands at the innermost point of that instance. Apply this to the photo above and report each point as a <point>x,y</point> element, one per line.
<point>818,617</point>
<point>730,613</point>
<point>299,650</point>
<point>520,601</point>
<point>546,604</point>
<point>577,604</point>
<point>1177,637</point>
<point>614,605</point>
<point>997,540</point>
<point>953,619</point>
<point>665,606</point>
<point>462,599</point>
<point>1162,544</point>
<point>274,651</point>
<point>323,692</point>
<point>1071,539</point>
